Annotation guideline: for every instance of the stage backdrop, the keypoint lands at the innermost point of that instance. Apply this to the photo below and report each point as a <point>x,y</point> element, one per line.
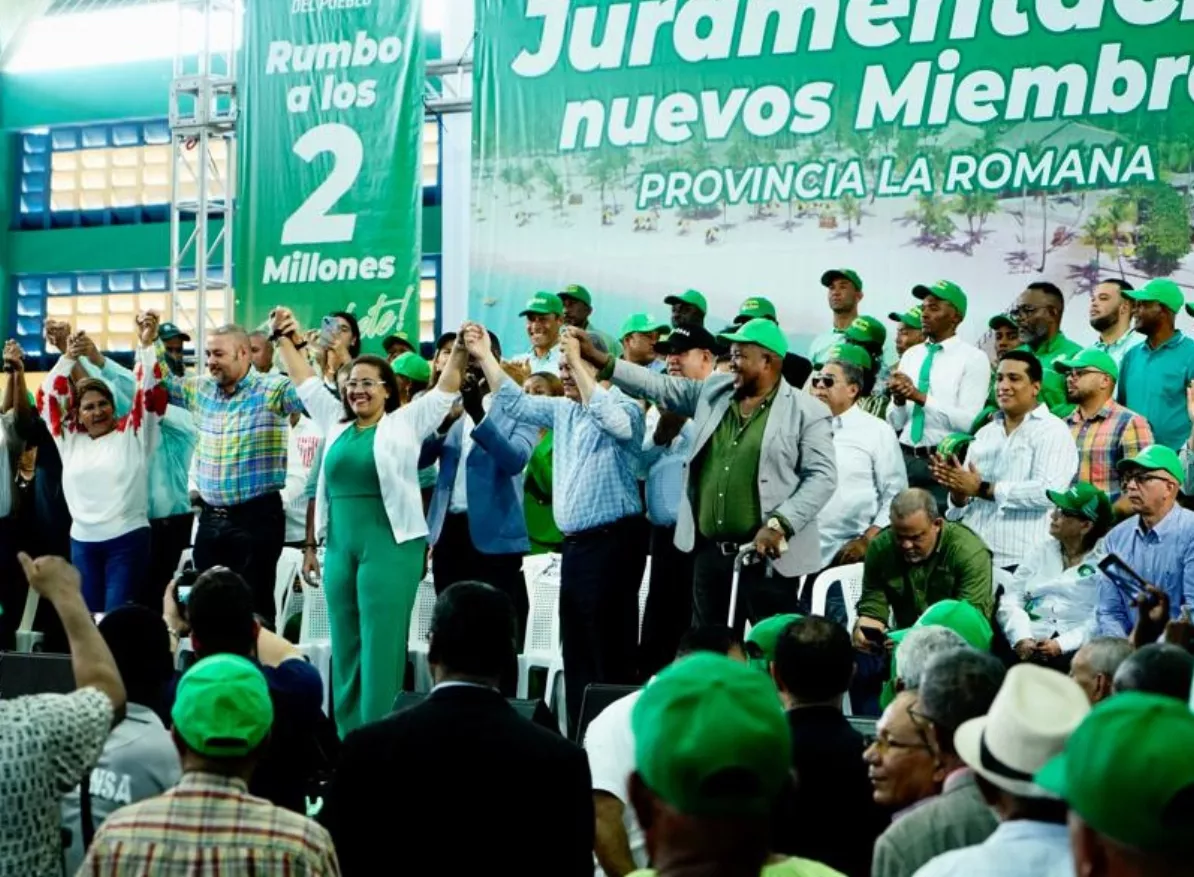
<point>330,192</point>
<point>743,147</point>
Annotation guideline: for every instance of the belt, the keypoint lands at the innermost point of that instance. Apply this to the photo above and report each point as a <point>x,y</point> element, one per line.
<point>922,453</point>
<point>226,511</point>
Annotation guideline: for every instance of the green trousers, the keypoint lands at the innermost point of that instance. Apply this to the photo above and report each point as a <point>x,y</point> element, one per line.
<point>370,583</point>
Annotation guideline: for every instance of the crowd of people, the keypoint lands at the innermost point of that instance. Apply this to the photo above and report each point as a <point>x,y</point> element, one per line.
<point>1014,517</point>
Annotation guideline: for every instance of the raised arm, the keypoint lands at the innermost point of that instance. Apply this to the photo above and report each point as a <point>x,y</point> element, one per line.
<point>55,398</point>
<point>179,390</point>
<point>291,345</point>
<point>621,421</point>
<point>535,410</point>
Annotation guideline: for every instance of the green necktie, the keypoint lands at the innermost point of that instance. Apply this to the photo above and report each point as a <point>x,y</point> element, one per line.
<point>922,384</point>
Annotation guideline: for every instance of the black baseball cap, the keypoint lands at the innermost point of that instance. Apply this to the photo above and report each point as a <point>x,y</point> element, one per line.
<point>685,338</point>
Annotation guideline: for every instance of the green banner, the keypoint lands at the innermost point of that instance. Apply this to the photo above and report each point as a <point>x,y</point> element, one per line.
<point>744,147</point>
<point>330,193</point>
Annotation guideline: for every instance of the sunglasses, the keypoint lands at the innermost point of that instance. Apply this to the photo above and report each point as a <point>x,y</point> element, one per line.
<point>823,382</point>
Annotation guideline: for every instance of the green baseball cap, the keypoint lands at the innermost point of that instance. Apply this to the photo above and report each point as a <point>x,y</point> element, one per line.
<point>1156,457</point>
<point>1128,771</point>
<point>842,274</point>
<point>849,353</point>
<point>707,718</point>
<point>764,636</point>
<point>642,323</point>
<point>953,443</point>
<point>760,331</point>
<point>169,331</point>
<point>1161,289</point>
<point>413,366</point>
<point>867,331</point>
<point>689,297</point>
<point>222,707</point>
<point>754,308</point>
<point>946,290</point>
<point>910,318</point>
<point>1001,320</point>
<point>1084,499</point>
<point>577,292</point>
<point>543,303</point>
<point>1089,357</point>
<point>960,617</point>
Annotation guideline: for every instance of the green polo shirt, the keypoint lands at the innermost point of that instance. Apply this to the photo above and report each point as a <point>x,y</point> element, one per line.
<point>1153,384</point>
<point>959,569</point>
<point>728,507</point>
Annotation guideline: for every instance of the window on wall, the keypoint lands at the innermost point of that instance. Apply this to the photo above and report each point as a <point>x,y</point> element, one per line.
<point>429,300</point>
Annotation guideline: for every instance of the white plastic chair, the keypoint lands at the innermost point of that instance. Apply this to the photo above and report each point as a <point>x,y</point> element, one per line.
<point>643,590</point>
<point>418,636</point>
<point>315,637</point>
<point>290,564</point>
<point>27,639</point>
<point>542,646</point>
<point>850,578</point>
<point>185,561</point>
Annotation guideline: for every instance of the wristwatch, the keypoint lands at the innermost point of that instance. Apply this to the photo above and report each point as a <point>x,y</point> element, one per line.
<point>985,491</point>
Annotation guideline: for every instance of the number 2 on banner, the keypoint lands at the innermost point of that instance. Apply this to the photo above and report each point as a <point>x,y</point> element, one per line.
<point>312,223</point>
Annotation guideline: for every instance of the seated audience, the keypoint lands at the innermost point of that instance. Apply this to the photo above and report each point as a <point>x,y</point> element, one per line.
<point>222,718</point>
<point>1028,724</point>
<point>956,686</point>
<point>139,759</point>
<point>909,659</point>
<point>712,752</point>
<point>763,639</point>
<point>832,817</point>
<point>917,648</point>
<point>609,743</point>
<point>1094,665</point>
<point>462,776</point>
<point>1158,668</point>
<point>1048,610</point>
<point>49,741</point>
<point>1127,776</point>
<point>902,766</point>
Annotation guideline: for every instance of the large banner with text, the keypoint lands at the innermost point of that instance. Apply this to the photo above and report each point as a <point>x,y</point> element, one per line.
<point>330,195</point>
<point>741,148</point>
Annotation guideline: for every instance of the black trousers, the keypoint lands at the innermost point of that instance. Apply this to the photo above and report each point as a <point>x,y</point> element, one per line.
<point>668,614</point>
<point>13,586</point>
<point>599,582</point>
<point>920,476</point>
<point>762,592</point>
<point>247,538</point>
<point>170,537</point>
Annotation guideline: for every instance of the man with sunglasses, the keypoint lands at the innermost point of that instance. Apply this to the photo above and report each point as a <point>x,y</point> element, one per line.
<point>1157,542</point>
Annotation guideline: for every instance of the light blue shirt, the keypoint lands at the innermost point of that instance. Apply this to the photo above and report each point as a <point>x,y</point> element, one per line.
<point>170,463</point>
<point>664,465</point>
<point>595,454</point>
<point>1021,848</point>
<point>1153,384</point>
<point>1118,348</point>
<point>1164,556</point>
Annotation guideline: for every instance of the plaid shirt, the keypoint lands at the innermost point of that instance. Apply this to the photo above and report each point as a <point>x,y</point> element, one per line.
<point>209,826</point>
<point>241,453</point>
<point>1112,434</point>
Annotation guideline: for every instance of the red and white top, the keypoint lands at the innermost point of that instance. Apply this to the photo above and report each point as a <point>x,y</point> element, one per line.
<point>105,480</point>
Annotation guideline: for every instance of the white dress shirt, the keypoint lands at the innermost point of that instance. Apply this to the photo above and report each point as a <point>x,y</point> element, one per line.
<point>1044,598</point>
<point>1040,455</point>
<point>1020,848</point>
<point>609,744</point>
<point>459,499</point>
<point>959,382</point>
<point>870,472</point>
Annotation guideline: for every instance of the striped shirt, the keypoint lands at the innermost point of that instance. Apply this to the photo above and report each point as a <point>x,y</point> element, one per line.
<point>1114,433</point>
<point>1038,456</point>
<point>209,826</point>
<point>243,435</point>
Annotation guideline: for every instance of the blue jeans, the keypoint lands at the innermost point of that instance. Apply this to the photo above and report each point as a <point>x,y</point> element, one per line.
<point>112,570</point>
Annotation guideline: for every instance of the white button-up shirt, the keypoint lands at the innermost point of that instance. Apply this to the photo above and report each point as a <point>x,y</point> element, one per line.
<point>1045,598</point>
<point>870,472</point>
<point>1040,455</point>
<point>1020,848</point>
<point>959,382</point>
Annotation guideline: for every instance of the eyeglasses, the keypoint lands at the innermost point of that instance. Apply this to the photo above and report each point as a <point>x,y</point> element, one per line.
<point>1140,478</point>
<point>885,744</point>
<point>367,385</point>
<point>1024,311</point>
<point>823,381</point>
<point>1083,372</point>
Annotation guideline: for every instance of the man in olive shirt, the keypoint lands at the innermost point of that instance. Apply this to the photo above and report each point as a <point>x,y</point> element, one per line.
<point>917,561</point>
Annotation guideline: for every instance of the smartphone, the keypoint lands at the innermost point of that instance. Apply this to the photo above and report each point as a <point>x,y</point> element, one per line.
<point>183,585</point>
<point>874,635</point>
<point>329,329</point>
<point>1130,582</point>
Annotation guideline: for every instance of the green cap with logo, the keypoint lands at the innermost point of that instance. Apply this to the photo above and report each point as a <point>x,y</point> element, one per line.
<point>754,308</point>
<point>1155,457</point>
<point>578,292</point>
<point>953,443</point>
<point>762,332</point>
<point>689,297</point>
<point>642,323</point>
<point>222,708</point>
<point>1089,357</point>
<point>867,331</point>
<point>946,290</point>
<point>764,637</point>
<point>849,353</point>
<point>711,739</point>
<point>910,318</point>
<point>412,366</point>
<point>1083,499</point>
<point>170,331</point>
<point>1161,289</point>
<point>842,274</point>
<point>1001,320</point>
<point>960,617</point>
<point>1128,771</point>
<point>543,303</point>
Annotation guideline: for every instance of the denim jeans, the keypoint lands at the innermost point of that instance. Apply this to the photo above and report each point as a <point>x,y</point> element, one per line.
<point>112,570</point>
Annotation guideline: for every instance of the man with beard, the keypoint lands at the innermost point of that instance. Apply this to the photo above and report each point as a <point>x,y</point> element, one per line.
<point>1154,375</point>
<point>1038,313</point>
<point>1111,317</point>
<point>760,470</point>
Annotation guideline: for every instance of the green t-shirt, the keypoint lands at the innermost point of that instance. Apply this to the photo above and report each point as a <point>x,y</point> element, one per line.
<point>545,536</point>
<point>788,868</point>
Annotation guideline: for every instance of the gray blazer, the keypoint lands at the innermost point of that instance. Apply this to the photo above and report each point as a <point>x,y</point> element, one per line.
<point>797,472</point>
